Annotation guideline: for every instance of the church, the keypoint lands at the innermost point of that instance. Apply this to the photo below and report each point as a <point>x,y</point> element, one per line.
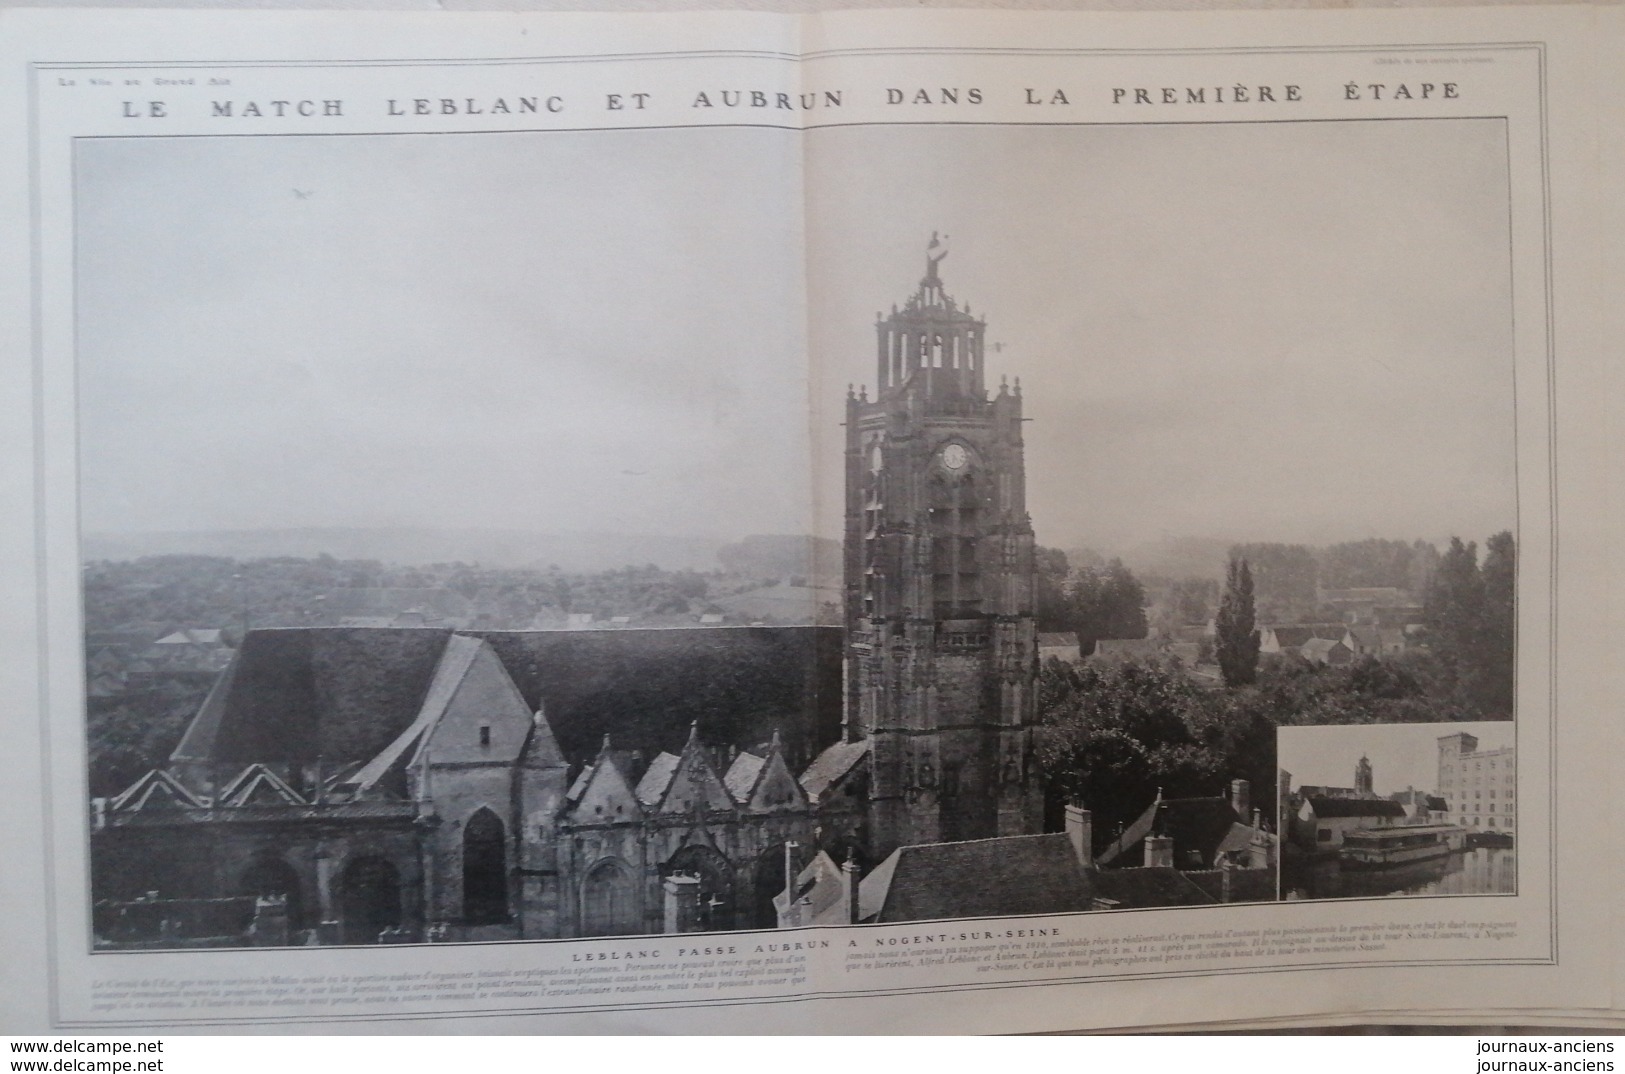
<point>368,784</point>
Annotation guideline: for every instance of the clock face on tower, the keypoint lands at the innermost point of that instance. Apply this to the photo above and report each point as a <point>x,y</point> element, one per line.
<point>955,458</point>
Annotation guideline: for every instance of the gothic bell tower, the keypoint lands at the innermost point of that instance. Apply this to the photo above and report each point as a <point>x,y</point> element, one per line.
<point>941,641</point>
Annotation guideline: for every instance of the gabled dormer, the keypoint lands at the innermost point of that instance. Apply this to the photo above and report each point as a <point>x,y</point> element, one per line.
<point>693,785</point>
<point>775,789</point>
<point>257,785</point>
<point>157,790</point>
<point>477,712</point>
<point>603,794</point>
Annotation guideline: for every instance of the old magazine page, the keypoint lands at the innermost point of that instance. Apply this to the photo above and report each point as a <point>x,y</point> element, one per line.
<point>855,522</point>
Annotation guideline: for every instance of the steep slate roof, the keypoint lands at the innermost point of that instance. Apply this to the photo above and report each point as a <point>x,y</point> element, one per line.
<point>1317,791</point>
<point>454,664</point>
<point>1139,887</point>
<point>344,694</point>
<point>1003,877</point>
<point>298,695</point>
<point>742,775</point>
<point>1246,885</point>
<point>1201,825</point>
<point>646,686</point>
<point>1239,837</point>
<point>1355,807</point>
<point>652,787</point>
<point>831,765</point>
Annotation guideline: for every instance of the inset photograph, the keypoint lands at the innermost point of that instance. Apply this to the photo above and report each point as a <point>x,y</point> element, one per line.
<point>1398,809</point>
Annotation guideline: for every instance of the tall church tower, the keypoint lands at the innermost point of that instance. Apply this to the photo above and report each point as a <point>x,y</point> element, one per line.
<point>941,656</point>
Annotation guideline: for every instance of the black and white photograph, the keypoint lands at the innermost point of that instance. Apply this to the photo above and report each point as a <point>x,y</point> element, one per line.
<point>1403,809</point>
<point>542,535</point>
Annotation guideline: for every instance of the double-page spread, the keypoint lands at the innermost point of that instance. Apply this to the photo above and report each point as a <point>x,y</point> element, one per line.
<point>881,521</point>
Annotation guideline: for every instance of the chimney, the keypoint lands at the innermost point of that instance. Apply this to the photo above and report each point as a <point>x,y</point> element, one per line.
<point>682,903</point>
<point>1159,851</point>
<point>1240,796</point>
<point>849,890</point>
<point>1080,833</point>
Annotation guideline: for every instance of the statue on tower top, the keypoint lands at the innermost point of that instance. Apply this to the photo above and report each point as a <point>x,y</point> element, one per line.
<point>935,252</point>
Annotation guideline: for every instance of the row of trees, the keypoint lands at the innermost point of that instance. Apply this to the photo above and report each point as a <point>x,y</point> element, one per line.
<point>217,591</point>
<point>1290,577</point>
<point>1470,623</point>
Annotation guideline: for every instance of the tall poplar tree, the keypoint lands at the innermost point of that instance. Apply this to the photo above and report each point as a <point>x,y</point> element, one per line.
<point>1236,640</point>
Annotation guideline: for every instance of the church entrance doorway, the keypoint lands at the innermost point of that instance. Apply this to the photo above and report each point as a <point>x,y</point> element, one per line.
<point>369,899</point>
<point>485,870</point>
<point>609,901</point>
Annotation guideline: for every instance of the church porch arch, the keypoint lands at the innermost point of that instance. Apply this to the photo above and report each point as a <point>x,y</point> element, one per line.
<point>369,899</point>
<point>609,900</point>
<point>270,874</point>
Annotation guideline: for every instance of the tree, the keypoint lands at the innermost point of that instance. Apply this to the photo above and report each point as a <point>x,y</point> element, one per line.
<point>1454,615</point>
<point>1111,735</point>
<point>1107,602</point>
<point>1236,639</point>
<point>1498,649</point>
<point>1053,607</point>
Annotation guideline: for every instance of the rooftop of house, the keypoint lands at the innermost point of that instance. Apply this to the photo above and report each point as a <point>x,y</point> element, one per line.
<point>1140,886</point>
<point>1003,877</point>
<point>1290,636</point>
<point>1197,825</point>
<point>1355,807</point>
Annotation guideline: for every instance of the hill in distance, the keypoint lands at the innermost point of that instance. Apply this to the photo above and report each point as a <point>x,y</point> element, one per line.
<point>583,552</point>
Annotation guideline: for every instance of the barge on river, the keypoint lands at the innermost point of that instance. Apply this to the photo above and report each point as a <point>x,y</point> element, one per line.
<point>1378,848</point>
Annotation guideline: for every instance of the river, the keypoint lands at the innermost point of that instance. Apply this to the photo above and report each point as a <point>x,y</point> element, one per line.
<point>1482,871</point>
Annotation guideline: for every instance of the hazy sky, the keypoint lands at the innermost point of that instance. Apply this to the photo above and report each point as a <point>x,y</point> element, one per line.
<point>1264,331</point>
<point>1402,754</point>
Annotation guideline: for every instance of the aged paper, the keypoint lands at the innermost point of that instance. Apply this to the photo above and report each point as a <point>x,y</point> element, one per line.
<point>1317,278</point>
